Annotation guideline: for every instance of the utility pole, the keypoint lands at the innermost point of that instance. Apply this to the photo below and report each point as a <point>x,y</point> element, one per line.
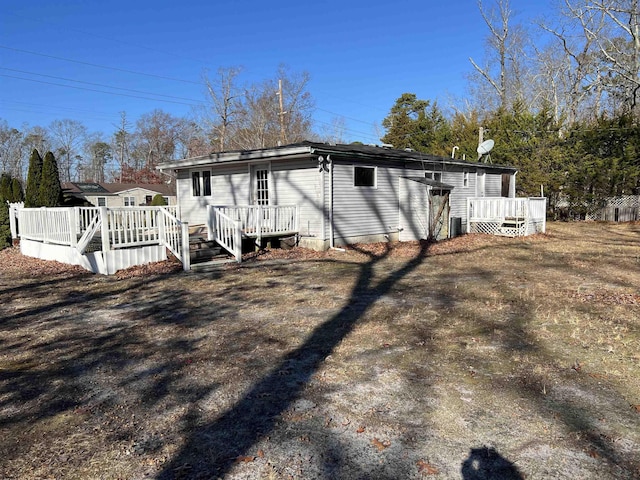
<point>283,139</point>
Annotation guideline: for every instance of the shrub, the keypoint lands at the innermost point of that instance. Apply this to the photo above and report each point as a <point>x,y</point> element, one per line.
<point>158,201</point>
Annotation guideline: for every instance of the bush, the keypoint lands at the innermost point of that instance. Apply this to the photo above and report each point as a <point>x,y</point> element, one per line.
<point>158,201</point>
<point>5,228</point>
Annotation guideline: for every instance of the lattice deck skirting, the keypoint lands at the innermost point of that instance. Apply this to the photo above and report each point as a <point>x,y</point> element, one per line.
<point>505,229</point>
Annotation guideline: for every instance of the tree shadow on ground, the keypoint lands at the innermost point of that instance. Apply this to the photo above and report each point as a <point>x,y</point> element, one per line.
<point>213,447</point>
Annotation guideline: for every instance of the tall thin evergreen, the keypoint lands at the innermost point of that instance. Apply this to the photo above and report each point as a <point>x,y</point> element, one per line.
<point>5,187</point>
<point>17,194</point>
<point>34,177</point>
<point>50,188</point>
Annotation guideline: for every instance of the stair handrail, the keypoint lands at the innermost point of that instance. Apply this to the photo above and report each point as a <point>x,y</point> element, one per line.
<point>174,236</point>
<point>89,233</point>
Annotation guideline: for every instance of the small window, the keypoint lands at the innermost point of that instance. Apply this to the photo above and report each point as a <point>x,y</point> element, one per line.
<point>206,183</point>
<point>465,178</point>
<point>166,200</point>
<point>201,183</point>
<point>148,199</point>
<point>364,176</point>
<point>437,176</point>
<point>102,202</point>
<point>129,201</point>
<point>195,184</point>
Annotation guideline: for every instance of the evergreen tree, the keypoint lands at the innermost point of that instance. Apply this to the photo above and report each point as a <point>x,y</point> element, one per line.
<point>50,188</point>
<point>5,228</point>
<point>416,124</point>
<point>34,177</point>
<point>17,194</point>
<point>158,201</point>
<point>5,186</point>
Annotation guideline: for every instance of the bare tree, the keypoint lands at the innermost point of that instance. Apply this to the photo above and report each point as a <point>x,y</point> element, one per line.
<point>576,67</point>
<point>120,145</point>
<point>267,117</point>
<point>506,45</point>
<point>69,136</point>
<point>11,151</point>
<point>155,140</point>
<point>226,100</point>
<point>621,48</point>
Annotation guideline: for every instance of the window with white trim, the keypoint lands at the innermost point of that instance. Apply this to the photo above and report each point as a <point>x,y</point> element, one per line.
<point>129,201</point>
<point>365,176</point>
<point>436,176</point>
<point>201,183</point>
<point>102,201</point>
<point>465,178</point>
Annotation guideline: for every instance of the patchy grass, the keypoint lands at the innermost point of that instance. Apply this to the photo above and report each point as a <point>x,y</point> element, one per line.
<point>479,357</point>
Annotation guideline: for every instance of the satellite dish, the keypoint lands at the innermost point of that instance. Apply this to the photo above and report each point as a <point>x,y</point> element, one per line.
<point>485,147</point>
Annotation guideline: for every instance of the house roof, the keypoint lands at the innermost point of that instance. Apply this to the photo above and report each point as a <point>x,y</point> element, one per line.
<point>107,189</point>
<point>369,152</point>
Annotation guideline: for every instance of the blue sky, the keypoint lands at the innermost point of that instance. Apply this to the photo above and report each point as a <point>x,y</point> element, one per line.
<point>361,55</point>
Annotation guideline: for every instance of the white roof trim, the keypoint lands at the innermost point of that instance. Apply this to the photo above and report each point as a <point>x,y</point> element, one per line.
<point>248,156</point>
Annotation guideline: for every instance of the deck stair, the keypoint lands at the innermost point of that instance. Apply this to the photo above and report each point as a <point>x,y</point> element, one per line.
<point>204,251</point>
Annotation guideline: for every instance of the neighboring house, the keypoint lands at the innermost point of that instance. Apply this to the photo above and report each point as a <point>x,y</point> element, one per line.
<point>119,194</point>
<point>343,194</point>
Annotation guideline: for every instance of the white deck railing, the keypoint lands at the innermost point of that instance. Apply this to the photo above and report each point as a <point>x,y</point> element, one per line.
<point>228,233</point>
<point>513,216</point>
<point>47,225</point>
<point>255,221</point>
<point>119,228</point>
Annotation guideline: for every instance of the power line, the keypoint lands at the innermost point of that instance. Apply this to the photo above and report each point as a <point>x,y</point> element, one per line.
<point>101,66</point>
<point>100,85</point>
<point>99,91</point>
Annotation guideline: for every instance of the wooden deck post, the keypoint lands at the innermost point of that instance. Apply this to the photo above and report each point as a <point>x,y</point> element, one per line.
<point>211,229</point>
<point>13,211</point>
<point>104,229</point>
<point>73,226</point>
<point>238,242</point>
<point>186,258</point>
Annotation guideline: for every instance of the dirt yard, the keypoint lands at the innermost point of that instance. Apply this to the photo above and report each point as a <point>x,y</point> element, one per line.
<point>480,357</point>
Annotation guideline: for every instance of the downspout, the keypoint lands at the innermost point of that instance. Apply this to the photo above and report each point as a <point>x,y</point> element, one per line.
<point>512,193</point>
<point>331,240</point>
<point>323,231</point>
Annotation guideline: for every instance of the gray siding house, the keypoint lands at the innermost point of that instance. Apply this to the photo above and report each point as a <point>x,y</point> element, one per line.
<point>342,194</point>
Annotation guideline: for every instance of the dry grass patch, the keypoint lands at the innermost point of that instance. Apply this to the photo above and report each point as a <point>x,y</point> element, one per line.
<point>512,356</point>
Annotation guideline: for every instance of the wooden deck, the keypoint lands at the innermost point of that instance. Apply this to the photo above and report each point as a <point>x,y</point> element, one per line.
<point>101,239</point>
<point>229,224</point>
<point>510,217</point>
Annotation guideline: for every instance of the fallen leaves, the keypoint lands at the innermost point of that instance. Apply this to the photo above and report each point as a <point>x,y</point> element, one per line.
<point>12,260</point>
<point>155,268</point>
<point>607,297</point>
<point>426,468</point>
<point>380,445</point>
<point>636,408</point>
<point>244,459</point>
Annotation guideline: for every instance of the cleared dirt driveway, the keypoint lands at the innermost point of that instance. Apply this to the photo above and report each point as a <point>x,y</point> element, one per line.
<point>480,357</point>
